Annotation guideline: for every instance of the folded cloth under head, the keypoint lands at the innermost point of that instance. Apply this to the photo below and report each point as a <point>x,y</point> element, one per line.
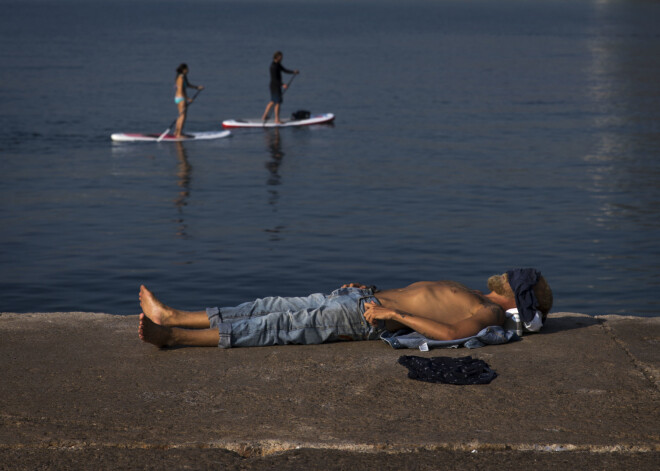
<point>522,281</point>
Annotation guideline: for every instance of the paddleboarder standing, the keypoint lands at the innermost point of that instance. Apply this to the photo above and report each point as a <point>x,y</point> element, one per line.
<point>181,98</point>
<point>276,86</point>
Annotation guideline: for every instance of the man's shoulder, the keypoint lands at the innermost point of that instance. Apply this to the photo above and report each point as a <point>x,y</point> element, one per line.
<point>491,314</point>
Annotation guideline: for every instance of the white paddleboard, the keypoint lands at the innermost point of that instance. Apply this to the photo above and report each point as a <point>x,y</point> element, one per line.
<point>193,136</point>
<point>257,123</point>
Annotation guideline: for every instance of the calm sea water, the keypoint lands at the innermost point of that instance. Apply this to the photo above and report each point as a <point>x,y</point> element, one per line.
<point>471,137</point>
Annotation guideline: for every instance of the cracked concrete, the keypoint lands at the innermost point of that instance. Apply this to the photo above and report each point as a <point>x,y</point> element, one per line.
<point>80,390</point>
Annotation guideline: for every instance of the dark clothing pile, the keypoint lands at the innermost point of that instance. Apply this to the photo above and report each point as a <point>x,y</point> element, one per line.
<point>463,370</point>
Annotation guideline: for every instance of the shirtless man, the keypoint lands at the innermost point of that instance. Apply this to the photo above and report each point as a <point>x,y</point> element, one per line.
<point>441,310</point>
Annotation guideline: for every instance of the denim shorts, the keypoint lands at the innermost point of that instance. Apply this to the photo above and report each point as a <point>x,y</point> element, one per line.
<point>309,320</point>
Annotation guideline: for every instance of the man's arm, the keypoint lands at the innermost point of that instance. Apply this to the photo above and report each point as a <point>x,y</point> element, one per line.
<point>434,329</point>
<point>373,288</point>
<point>354,284</point>
<point>285,70</point>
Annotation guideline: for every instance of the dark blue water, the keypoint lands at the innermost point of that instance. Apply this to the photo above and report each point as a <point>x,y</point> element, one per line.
<point>471,137</point>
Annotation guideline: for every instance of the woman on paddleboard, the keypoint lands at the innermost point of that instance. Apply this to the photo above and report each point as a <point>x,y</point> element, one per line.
<point>276,69</point>
<point>181,98</point>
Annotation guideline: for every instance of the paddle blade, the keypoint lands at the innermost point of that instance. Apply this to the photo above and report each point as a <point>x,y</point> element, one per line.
<point>162,136</point>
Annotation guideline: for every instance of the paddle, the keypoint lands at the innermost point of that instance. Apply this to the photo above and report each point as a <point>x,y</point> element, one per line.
<point>162,136</point>
<point>288,83</point>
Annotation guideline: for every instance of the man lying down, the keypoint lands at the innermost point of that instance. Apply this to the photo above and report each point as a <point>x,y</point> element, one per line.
<point>438,310</point>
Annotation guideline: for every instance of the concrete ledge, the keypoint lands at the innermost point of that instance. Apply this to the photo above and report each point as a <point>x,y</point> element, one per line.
<point>82,388</point>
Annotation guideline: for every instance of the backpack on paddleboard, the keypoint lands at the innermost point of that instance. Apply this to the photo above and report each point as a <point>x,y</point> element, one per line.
<point>300,114</point>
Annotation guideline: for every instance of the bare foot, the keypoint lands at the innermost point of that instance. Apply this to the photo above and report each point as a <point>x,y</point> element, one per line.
<point>154,309</point>
<point>153,333</point>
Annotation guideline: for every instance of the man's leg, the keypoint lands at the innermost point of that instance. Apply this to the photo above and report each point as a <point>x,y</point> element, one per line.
<point>279,321</point>
<point>277,113</point>
<point>166,316</point>
<point>264,306</point>
<point>162,336</point>
<point>267,321</point>
<point>268,107</point>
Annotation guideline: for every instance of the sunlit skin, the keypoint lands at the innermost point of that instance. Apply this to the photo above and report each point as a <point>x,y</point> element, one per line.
<point>442,310</point>
<point>181,82</point>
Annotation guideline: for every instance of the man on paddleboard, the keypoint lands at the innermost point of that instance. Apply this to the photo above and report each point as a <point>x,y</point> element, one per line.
<point>438,310</point>
<point>276,86</point>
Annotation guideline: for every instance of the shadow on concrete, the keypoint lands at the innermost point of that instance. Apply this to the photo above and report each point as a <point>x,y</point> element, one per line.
<point>555,325</point>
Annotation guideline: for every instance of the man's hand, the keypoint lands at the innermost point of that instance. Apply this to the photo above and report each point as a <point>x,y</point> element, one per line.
<point>374,312</point>
<point>355,285</point>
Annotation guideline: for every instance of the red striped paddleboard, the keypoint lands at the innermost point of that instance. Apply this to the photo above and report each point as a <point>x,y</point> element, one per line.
<point>324,118</point>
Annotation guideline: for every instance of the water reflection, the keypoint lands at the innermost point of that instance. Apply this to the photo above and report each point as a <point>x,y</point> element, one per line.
<point>184,172</point>
<point>623,169</point>
<point>274,147</point>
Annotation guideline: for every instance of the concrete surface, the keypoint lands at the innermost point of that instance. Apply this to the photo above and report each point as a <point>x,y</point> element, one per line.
<point>81,391</point>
